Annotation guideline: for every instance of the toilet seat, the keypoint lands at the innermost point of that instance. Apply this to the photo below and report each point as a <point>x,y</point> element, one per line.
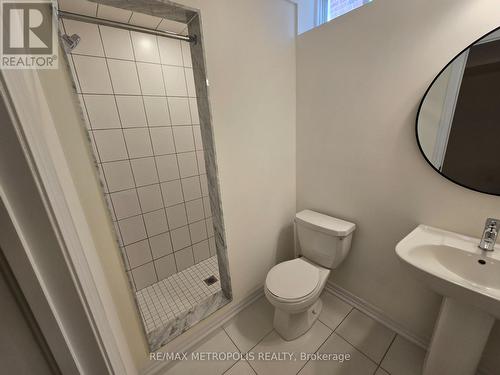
<point>293,280</point>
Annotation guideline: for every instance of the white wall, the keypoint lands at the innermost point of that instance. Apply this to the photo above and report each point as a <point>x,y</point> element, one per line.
<point>360,79</point>
<point>250,53</point>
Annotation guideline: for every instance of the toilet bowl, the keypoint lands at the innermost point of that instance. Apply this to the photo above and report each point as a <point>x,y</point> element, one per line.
<point>294,287</point>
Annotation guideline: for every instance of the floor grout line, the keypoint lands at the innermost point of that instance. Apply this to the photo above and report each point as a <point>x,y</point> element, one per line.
<point>385,354</point>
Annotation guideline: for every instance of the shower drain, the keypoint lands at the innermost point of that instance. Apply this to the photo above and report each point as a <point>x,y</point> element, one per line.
<point>210,280</point>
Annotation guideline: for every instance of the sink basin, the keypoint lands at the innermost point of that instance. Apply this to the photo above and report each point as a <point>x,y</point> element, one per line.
<point>468,278</point>
<point>453,265</point>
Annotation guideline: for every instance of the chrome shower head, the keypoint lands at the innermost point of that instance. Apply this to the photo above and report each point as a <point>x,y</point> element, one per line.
<point>70,42</point>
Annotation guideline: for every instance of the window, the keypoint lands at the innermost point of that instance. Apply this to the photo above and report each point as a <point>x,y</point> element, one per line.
<point>330,9</point>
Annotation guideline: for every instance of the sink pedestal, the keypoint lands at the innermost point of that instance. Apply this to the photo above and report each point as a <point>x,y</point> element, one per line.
<point>458,340</point>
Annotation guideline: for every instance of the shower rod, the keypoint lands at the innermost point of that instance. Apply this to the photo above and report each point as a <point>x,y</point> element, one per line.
<point>125,26</point>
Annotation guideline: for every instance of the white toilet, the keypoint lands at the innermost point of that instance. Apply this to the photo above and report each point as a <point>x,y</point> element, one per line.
<point>293,287</point>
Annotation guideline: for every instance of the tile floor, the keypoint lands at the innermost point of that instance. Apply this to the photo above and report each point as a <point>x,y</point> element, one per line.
<point>166,299</point>
<point>373,348</point>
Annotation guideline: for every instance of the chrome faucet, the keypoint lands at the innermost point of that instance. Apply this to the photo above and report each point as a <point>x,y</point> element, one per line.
<point>490,234</point>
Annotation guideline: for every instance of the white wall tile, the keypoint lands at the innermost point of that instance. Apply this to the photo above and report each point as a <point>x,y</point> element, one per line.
<point>138,253</point>
<point>193,107</point>
<point>184,139</point>
<point>184,258</point>
<point>124,77</point>
<point>73,74</point>
<point>190,82</point>
<point>170,51</point>
<point>125,258</point>
<point>160,245</point>
<point>163,140</point>
<point>102,111</point>
<point>165,267</point>
<point>198,142</point>
<point>176,216</point>
<point>188,166</point>
<point>201,251</point>
<point>144,276</point>
<point>210,226</point>
<point>179,111</point>
<point>150,77</point>
<point>145,20</point>
<point>92,74</point>
<point>175,81</point>
<point>102,179</point>
<point>110,144</point>
<point>157,111</point>
<point>191,188</point>
<point>130,125</point>
<point>118,175</point>
<point>167,167</point>
<point>109,204</point>
<point>198,231</point>
<point>90,42</point>
<point>132,229</point>
<point>118,233</point>
<point>144,171</point>
<point>126,203</point>
<point>207,207</point>
<point>138,142</point>
<point>180,238</point>
<point>150,198</point>
<point>117,43</point>
<point>172,26</point>
<point>204,185</point>
<point>195,210</point>
<point>145,47</point>
<point>172,193</point>
<point>131,109</point>
<point>200,156</point>
<point>156,222</point>
<point>113,14</point>
<point>186,54</point>
<point>213,249</point>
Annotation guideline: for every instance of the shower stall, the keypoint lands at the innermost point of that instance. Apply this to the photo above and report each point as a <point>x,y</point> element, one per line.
<point>140,79</point>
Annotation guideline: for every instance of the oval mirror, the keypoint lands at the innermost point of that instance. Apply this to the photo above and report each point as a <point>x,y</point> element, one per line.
<point>458,122</point>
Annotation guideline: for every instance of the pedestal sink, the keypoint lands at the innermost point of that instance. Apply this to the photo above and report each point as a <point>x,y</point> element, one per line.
<point>468,278</point>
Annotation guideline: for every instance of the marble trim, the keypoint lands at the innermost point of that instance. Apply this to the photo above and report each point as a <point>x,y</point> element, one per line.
<point>170,10</point>
<point>161,336</point>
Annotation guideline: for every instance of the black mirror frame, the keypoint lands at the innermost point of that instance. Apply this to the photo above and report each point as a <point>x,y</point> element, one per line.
<point>420,107</point>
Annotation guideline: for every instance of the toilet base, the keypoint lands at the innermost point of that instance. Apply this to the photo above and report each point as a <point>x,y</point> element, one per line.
<point>293,325</point>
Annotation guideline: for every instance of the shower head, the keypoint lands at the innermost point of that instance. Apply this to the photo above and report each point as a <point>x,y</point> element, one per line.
<point>70,42</point>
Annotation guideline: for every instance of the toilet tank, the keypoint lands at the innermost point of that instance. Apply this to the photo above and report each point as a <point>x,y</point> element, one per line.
<point>322,239</point>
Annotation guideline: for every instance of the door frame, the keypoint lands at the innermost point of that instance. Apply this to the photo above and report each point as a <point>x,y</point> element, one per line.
<point>34,129</point>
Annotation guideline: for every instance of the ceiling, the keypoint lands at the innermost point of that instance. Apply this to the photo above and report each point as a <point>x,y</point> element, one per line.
<point>120,15</point>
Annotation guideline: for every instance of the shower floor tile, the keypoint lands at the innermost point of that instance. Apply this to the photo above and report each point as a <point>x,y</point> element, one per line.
<point>169,298</point>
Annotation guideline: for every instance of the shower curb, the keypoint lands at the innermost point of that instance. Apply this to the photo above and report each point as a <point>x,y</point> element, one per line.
<point>184,344</point>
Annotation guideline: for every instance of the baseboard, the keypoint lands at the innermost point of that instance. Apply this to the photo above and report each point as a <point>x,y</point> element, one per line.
<point>375,313</point>
<point>381,317</point>
<point>185,344</point>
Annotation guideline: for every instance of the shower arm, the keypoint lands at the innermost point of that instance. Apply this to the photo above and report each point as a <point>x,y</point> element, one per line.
<point>125,26</point>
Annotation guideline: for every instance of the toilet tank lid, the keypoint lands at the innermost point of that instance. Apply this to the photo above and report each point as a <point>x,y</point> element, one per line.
<point>324,223</point>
